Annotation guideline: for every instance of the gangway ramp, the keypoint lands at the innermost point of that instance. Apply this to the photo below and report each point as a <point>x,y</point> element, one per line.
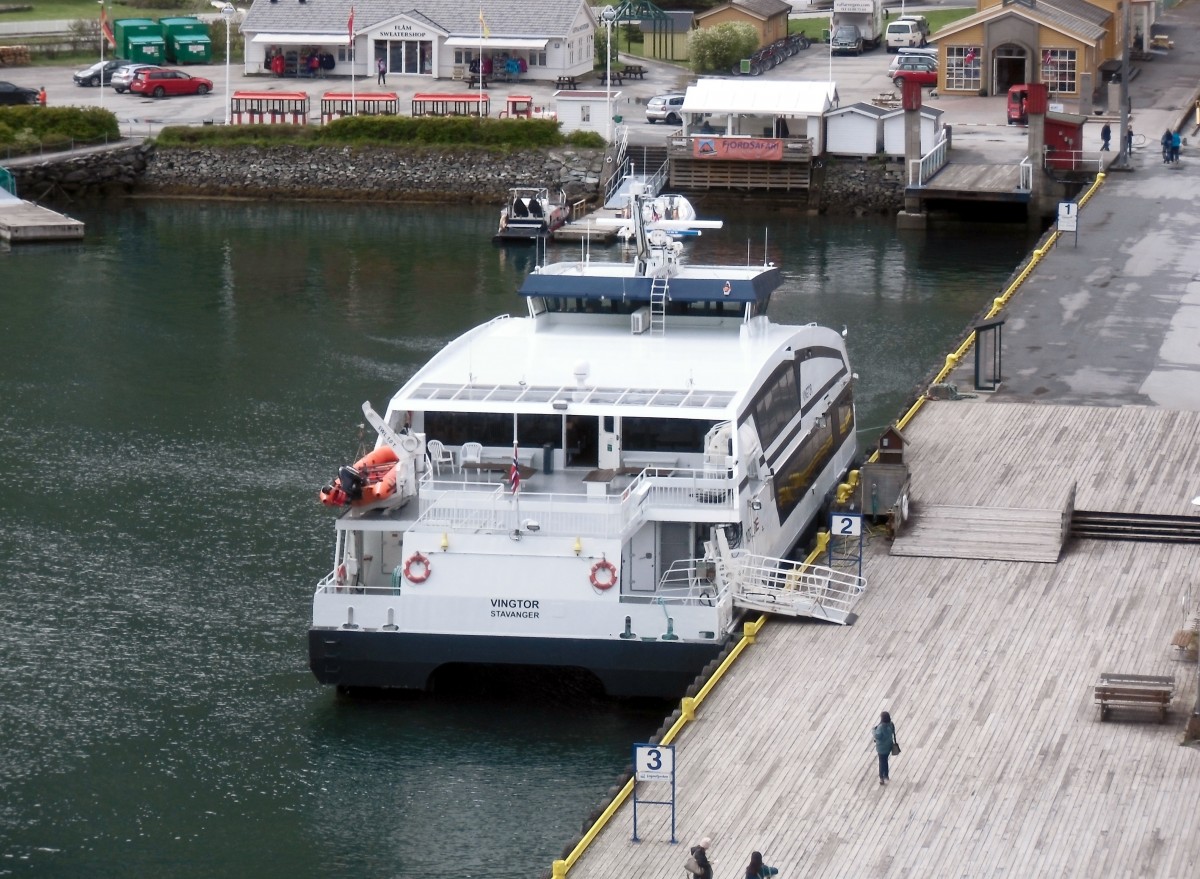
<point>790,588</point>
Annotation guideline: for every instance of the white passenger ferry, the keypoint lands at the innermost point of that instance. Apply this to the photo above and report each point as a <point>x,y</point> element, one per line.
<point>604,484</point>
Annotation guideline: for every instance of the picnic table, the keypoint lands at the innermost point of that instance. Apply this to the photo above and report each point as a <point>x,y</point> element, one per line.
<point>612,79</point>
<point>567,82</point>
<point>632,70</point>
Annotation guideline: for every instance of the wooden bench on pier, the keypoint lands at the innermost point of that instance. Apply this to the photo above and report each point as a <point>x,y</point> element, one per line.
<point>1134,691</point>
<point>567,82</point>
<point>477,80</point>
<point>634,70</point>
<point>614,78</point>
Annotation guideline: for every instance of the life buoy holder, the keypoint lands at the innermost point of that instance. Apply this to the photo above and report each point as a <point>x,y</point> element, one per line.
<point>424,568</point>
<point>609,580</point>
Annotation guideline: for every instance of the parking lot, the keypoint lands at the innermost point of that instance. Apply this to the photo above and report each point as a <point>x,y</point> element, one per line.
<point>858,78</point>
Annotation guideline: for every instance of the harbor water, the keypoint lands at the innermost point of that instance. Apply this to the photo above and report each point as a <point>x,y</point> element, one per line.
<point>176,388</point>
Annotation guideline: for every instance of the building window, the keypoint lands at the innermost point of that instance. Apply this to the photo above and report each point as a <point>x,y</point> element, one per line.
<point>464,56</point>
<point>1058,70</point>
<point>963,65</point>
<point>537,59</point>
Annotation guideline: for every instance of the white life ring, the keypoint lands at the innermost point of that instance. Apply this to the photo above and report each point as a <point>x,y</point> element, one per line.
<point>904,507</point>
<point>409,443</point>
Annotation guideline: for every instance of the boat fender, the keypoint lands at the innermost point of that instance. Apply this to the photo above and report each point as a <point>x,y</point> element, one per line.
<point>609,578</point>
<point>904,507</point>
<point>422,568</point>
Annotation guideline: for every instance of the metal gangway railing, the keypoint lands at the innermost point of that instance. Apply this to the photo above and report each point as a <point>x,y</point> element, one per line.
<point>1025,183</point>
<point>922,170</point>
<point>789,588</point>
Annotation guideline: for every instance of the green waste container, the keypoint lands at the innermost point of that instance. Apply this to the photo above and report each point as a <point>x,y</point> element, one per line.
<point>617,119</point>
<point>825,35</point>
<point>146,50</point>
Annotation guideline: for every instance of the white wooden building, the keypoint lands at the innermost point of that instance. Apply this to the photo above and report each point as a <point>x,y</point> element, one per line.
<point>893,130</point>
<point>854,130</point>
<point>743,108</point>
<point>586,110</point>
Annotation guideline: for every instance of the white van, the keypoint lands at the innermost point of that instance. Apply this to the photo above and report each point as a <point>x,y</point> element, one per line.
<point>908,31</point>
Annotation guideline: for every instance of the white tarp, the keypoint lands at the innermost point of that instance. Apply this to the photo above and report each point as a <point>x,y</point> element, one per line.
<point>495,43</point>
<point>339,39</point>
<point>755,98</point>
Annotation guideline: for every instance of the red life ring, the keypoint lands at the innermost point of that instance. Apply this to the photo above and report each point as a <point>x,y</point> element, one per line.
<point>341,575</point>
<point>421,576</point>
<point>604,565</point>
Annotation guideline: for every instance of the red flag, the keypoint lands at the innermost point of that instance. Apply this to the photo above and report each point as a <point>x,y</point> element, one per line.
<point>106,28</point>
<point>350,27</point>
<point>1047,59</point>
<point>969,57</point>
<point>514,473</point>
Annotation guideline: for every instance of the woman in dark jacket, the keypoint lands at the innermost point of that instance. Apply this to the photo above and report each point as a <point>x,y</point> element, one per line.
<point>757,869</point>
<point>885,736</point>
<point>700,853</point>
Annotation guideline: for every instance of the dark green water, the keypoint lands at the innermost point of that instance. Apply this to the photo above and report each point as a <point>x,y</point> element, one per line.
<point>174,391</point>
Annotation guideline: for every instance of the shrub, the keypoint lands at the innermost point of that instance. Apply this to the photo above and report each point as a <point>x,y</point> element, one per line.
<point>720,48</point>
<point>56,124</point>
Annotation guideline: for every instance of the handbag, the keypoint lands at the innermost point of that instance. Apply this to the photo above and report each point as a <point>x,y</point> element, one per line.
<point>693,866</point>
<point>895,747</point>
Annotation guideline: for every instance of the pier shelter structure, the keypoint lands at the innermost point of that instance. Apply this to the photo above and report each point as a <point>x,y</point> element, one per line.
<point>750,135</point>
<point>1063,43</point>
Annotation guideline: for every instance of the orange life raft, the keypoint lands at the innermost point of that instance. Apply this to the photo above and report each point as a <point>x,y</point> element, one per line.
<point>369,480</point>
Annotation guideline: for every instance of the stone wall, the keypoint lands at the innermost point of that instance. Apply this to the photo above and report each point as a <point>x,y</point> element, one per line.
<point>839,185</point>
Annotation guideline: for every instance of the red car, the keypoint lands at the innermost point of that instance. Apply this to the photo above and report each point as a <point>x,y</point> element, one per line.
<point>161,82</point>
<point>916,68</point>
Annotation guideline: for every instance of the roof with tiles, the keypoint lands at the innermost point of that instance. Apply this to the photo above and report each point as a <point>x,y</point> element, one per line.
<point>528,18</point>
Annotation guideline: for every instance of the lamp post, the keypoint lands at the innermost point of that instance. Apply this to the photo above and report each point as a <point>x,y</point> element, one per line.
<point>101,2</point>
<point>608,14</point>
<point>227,13</point>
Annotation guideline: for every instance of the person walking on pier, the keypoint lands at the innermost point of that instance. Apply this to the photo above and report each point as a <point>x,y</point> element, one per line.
<point>1129,141</point>
<point>1105,137</point>
<point>1165,142</point>
<point>757,869</point>
<point>1176,143</point>
<point>381,67</point>
<point>699,855</point>
<point>885,743</point>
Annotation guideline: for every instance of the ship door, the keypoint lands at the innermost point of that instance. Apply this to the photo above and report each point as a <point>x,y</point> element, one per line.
<point>610,443</point>
<point>581,441</point>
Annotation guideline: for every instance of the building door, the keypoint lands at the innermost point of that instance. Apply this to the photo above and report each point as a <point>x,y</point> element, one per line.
<point>1010,67</point>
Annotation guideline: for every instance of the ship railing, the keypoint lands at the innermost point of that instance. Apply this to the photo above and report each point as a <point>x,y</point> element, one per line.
<point>791,588</point>
<point>654,493</point>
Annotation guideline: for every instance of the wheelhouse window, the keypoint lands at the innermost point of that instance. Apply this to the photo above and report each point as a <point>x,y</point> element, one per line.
<point>777,404</point>
<point>664,434</point>
<point>963,68</point>
<point>1058,70</point>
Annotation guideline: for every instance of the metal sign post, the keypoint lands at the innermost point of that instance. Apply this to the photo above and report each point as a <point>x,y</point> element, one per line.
<point>1068,218</point>
<point>846,534</point>
<point>653,763</point>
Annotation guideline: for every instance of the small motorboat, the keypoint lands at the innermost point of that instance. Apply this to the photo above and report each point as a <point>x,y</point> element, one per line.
<point>669,213</point>
<point>531,213</point>
<point>369,481</point>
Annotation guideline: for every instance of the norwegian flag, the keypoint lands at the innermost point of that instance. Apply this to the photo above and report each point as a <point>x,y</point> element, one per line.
<point>106,28</point>
<point>1047,59</point>
<point>970,56</point>
<point>350,28</point>
<point>514,472</point>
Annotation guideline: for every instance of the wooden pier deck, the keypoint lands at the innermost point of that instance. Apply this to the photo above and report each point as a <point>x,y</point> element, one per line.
<point>22,221</point>
<point>987,668</point>
<point>975,182</point>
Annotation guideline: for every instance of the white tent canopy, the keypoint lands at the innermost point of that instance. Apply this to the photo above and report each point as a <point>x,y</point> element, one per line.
<point>777,98</point>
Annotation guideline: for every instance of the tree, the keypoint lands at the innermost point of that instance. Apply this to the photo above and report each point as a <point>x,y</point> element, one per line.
<point>721,47</point>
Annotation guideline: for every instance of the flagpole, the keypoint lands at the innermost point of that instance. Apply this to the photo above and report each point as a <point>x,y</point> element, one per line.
<point>350,37</point>
<point>101,54</point>
<point>482,25</point>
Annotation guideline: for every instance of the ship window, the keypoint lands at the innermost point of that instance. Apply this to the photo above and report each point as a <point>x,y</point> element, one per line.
<point>494,429</point>
<point>663,434</point>
<point>777,404</point>
<point>798,474</point>
<point>843,412</point>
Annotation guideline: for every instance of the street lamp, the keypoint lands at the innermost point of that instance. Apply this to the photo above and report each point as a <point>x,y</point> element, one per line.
<point>608,14</point>
<point>227,13</point>
<point>101,2</point>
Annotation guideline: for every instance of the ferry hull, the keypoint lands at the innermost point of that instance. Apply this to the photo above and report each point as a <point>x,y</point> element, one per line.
<point>389,660</point>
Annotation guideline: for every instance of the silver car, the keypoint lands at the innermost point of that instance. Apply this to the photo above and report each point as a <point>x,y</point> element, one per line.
<point>665,108</point>
<point>123,76</point>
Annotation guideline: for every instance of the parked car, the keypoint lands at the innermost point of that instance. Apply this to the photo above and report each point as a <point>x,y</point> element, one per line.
<point>162,82</point>
<point>123,76</point>
<point>911,30</point>
<point>16,94</point>
<point>99,73</point>
<point>846,40</point>
<point>909,53</point>
<point>915,68</point>
<point>665,108</point>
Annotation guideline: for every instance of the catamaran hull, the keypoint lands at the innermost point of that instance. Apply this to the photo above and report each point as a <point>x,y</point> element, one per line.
<point>391,660</point>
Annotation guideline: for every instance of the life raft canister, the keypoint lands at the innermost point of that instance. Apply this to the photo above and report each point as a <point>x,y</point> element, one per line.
<point>422,566</point>
<point>609,579</point>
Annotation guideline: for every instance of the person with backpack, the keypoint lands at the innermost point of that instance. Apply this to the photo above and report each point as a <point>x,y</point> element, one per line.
<point>1165,143</point>
<point>757,869</point>
<point>1176,143</point>
<point>884,734</point>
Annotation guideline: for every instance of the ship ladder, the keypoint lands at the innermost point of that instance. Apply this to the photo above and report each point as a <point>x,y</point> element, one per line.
<point>658,306</point>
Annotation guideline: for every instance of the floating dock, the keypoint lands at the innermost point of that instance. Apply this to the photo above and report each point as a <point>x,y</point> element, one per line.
<point>22,221</point>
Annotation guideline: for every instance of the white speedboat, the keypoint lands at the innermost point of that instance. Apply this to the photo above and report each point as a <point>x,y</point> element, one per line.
<point>602,484</point>
<point>530,213</point>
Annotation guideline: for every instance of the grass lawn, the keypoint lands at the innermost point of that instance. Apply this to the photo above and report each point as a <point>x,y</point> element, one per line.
<point>72,10</point>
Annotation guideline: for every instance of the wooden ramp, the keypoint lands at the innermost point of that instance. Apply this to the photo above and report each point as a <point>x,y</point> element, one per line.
<point>982,182</point>
<point>1007,534</point>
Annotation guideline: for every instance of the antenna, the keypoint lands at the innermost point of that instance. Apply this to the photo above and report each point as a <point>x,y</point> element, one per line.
<point>766,240</point>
